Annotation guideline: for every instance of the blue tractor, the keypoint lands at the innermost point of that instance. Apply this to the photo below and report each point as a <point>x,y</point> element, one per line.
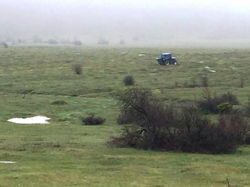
<point>166,58</point>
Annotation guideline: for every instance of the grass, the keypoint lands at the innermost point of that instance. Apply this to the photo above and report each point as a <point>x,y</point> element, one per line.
<point>65,153</point>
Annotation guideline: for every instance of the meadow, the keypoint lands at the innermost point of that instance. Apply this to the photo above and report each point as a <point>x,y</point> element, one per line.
<point>67,153</point>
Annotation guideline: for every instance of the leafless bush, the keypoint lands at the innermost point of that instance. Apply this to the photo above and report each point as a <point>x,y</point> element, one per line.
<point>229,97</point>
<point>235,125</point>
<point>77,42</point>
<point>59,102</point>
<point>193,84</point>
<point>128,80</point>
<point>242,82</point>
<point>204,81</point>
<point>103,41</point>
<point>52,41</point>
<point>5,45</point>
<point>122,42</point>
<point>210,104</point>
<point>92,120</point>
<point>77,69</point>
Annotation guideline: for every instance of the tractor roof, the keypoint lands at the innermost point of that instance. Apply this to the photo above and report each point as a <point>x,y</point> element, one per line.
<point>166,54</point>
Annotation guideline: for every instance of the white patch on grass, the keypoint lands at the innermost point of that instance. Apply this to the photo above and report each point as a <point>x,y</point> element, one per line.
<point>31,120</point>
<point>212,71</point>
<point>141,54</point>
<point>7,162</point>
<point>124,52</point>
<point>206,67</point>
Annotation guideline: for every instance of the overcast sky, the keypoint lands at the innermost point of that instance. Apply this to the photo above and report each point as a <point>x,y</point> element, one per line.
<point>114,19</point>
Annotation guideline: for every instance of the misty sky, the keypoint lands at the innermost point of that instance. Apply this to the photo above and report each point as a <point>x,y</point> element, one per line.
<point>149,19</point>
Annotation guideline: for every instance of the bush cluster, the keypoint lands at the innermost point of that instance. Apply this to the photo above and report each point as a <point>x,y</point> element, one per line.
<point>92,120</point>
<point>160,127</point>
<point>211,103</point>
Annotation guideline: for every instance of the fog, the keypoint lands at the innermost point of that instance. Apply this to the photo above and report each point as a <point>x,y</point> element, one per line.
<point>169,21</point>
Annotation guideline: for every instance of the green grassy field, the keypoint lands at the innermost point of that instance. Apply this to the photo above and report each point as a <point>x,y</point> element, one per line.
<point>66,153</point>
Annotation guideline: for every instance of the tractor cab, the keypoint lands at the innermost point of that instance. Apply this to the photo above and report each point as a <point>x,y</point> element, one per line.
<point>166,58</point>
<point>166,55</point>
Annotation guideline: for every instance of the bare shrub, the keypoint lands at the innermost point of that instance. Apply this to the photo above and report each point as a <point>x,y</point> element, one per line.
<point>231,98</point>
<point>160,127</point>
<point>59,102</point>
<point>210,104</point>
<point>103,41</point>
<point>193,84</point>
<point>235,125</point>
<point>204,81</point>
<point>77,69</point>
<point>5,45</point>
<point>122,42</point>
<point>92,120</point>
<point>52,41</point>
<point>77,42</point>
<point>242,82</point>
<point>128,80</point>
